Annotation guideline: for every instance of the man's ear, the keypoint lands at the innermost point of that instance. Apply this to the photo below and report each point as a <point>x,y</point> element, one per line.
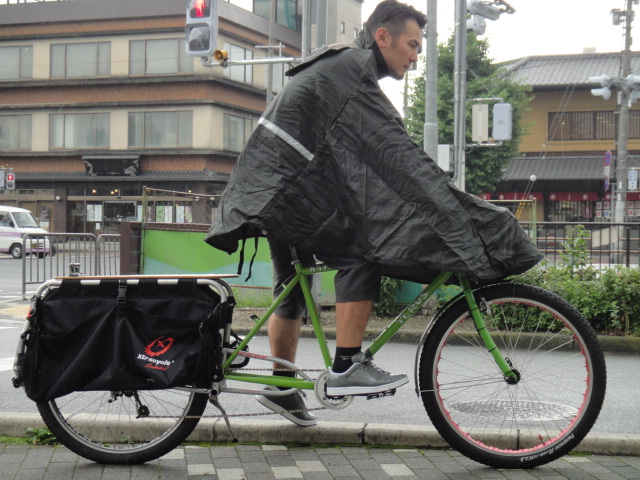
<point>382,37</point>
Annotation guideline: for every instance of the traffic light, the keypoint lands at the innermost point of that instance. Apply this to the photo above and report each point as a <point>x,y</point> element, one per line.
<point>605,82</point>
<point>10,181</point>
<point>202,27</point>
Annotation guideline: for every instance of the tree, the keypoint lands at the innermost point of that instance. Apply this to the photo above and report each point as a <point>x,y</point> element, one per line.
<point>484,165</point>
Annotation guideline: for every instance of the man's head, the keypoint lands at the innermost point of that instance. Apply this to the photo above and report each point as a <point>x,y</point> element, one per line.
<point>397,30</point>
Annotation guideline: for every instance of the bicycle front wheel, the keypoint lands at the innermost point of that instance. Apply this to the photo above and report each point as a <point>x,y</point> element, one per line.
<point>129,427</point>
<point>522,424</point>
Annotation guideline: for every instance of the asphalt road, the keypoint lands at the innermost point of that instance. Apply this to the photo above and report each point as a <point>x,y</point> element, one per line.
<point>621,410</point>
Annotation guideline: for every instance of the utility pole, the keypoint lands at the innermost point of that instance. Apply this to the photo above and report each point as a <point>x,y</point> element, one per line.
<point>480,10</point>
<point>430,134</point>
<point>623,120</point>
<point>460,92</point>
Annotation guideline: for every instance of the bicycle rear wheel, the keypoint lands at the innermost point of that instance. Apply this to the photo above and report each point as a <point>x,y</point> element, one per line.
<point>123,427</point>
<point>561,368</point>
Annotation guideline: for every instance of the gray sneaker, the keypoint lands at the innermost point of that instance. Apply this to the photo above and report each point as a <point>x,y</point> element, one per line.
<point>362,378</point>
<point>291,407</point>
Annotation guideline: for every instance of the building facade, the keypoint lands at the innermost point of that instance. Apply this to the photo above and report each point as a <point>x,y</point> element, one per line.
<point>99,100</point>
<point>568,134</point>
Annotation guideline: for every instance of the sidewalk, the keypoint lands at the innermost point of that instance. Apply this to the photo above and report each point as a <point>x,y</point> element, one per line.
<point>270,462</point>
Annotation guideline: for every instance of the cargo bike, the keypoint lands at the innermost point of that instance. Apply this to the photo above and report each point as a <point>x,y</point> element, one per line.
<point>122,368</point>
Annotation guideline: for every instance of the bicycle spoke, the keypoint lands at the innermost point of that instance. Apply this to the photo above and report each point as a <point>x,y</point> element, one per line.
<point>550,403</point>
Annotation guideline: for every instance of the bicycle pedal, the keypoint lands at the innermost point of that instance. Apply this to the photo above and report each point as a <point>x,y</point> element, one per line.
<point>387,393</point>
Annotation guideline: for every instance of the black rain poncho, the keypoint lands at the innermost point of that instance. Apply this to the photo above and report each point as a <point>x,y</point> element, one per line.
<point>330,168</point>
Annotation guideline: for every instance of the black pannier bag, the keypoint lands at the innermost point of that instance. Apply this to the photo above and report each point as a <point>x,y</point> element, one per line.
<point>121,335</point>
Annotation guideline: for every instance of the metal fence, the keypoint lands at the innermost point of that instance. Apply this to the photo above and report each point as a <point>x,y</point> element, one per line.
<point>59,254</point>
<point>606,244</point>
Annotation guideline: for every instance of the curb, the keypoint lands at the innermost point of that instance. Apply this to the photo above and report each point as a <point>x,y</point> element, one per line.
<point>333,433</point>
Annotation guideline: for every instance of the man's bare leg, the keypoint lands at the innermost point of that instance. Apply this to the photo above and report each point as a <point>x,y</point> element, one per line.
<point>283,338</point>
<point>347,378</point>
<point>351,322</point>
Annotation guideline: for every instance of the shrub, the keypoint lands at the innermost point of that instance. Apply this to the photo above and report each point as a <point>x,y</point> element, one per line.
<point>606,298</point>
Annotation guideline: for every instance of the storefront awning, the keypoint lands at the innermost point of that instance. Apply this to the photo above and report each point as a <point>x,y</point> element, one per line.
<point>538,196</point>
<point>573,196</point>
<point>581,167</point>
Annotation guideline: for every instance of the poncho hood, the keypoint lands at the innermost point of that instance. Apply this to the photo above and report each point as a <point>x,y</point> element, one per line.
<point>330,168</point>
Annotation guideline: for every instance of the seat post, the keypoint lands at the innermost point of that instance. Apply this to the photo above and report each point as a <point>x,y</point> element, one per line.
<point>294,255</point>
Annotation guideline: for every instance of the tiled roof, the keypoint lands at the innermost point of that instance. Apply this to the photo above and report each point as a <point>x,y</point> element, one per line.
<point>201,175</point>
<point>560,168</point>
<point>559,70</point>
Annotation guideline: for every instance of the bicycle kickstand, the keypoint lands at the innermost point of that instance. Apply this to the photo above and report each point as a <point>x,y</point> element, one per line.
<point>213,399</point>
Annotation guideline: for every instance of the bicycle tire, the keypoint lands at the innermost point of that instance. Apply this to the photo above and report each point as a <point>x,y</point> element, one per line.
<point>547,412</point>
<point>106,427</point>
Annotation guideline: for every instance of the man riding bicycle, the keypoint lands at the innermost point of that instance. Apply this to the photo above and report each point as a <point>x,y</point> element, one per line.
<point>331,170</point>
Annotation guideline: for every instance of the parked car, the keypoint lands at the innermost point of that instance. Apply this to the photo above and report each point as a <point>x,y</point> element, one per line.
<point>15,223</point>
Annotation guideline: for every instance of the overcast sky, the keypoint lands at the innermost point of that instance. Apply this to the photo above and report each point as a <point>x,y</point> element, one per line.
<point>538,27</point>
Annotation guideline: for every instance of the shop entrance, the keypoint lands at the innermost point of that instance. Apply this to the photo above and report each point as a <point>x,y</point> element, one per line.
<point>117,212</point>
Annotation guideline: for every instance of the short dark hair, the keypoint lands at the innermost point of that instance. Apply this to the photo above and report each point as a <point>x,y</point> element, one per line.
<point>393,16</point>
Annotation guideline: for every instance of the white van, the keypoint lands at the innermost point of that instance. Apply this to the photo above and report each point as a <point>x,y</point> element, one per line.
<point>14,224</point>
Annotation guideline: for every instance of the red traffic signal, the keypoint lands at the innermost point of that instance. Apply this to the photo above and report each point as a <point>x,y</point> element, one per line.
<point>202,27</point>
<point>10,182</point>
<point>199,8</point>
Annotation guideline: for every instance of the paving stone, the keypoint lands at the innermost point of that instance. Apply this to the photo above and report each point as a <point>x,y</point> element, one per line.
<point>278,462</point>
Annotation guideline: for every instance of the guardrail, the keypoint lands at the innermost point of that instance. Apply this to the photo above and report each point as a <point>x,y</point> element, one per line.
<point>51,255</point>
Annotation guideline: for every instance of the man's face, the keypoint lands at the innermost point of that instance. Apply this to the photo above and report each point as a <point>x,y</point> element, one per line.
<point>400,52</point>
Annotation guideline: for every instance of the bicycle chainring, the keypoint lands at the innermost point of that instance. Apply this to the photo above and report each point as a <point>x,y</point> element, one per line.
<point>332,403</point>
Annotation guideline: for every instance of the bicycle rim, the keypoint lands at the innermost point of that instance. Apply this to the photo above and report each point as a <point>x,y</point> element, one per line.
<point>110,427</point>
<point>541,417</point>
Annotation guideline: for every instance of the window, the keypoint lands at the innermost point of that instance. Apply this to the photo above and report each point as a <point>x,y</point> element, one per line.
<point>239,73</point>
<point>246,4</point>
<point>236,132</point>
<point>589,125</point>
<point>159,57</point>
<point>160,129</point>
<point>79,130</point>
<point>343,28</point>
<point>73,60</point>
<point>17,62</point>
<point>286,11</point>
<point>15,132</point>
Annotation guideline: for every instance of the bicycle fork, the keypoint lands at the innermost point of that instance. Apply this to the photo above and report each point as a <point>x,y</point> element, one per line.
<point>510,375</point>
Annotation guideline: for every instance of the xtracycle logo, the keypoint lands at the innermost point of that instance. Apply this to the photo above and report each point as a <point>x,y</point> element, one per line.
<point>159,346</point>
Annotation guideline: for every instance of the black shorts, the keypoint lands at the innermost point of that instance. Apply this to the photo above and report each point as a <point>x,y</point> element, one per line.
<point>356,279</point>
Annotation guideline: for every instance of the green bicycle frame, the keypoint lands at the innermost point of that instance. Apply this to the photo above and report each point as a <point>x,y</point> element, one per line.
<point>301,277</point>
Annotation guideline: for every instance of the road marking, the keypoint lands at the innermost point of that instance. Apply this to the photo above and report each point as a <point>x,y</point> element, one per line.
<point>6,364</point>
